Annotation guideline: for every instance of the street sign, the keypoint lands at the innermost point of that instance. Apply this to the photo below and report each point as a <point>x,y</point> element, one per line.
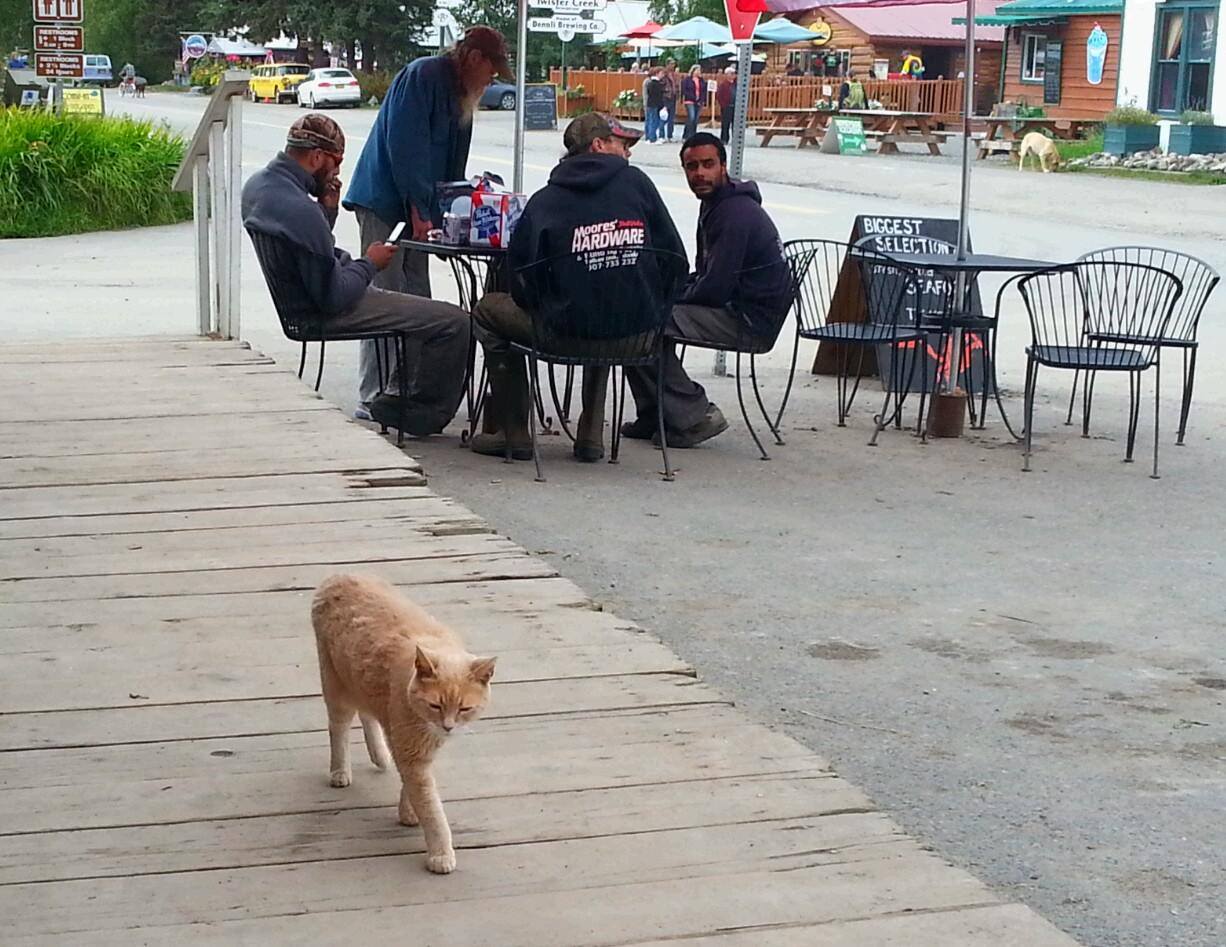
<point>556,24</point>
<point>59,11</point>
<point>740,23</point>
<point>195,46</point>
<point>82,102</point>
<point>59,39</point>
<point>59,65</point>
<point>566,35</point>
<point>576,5</point>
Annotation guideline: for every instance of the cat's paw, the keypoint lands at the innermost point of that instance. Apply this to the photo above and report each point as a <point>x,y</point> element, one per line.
<point>409,817</point>
<point>341,778</point>
<point>443,864</point>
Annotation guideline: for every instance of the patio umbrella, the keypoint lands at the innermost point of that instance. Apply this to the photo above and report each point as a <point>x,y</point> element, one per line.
<point>782,31</point>
<point>697,29</point>
<point>646,31</point>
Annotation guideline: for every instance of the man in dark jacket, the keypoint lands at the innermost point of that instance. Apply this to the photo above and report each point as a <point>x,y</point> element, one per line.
<point>741,287</point>
<point>420,138</point>
<point>295,199</point>
<point>595,202</point>
<point>725,98</point>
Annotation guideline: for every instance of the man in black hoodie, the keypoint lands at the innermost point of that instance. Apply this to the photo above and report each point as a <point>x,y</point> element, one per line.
<point>741,287</point>
<point>595,201</point>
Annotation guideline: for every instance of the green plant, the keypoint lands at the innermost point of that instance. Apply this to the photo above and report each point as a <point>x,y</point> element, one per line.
<point>1082,148</point>
<point>576,92</point>
<point>208,72</point>
<point>1193,117</point>
<point>374,84</point>
<point>1130,115</point>
<point>62,174</point>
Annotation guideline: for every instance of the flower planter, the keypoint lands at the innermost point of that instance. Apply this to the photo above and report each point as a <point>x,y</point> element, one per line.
<point>1127,139</point>
<point>577,104</point>
<point>1197,139</point>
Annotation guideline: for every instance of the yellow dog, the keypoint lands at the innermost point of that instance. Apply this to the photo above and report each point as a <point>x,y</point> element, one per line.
<point>1042,147</point>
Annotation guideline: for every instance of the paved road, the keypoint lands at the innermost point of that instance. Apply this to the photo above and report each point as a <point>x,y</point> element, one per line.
<point>1026,670</point>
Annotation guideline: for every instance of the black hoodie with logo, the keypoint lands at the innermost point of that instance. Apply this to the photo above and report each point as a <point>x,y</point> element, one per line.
<point>576,238</point>
<point>740,259</point>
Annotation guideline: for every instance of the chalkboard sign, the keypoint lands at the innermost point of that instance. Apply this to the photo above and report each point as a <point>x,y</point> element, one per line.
<point>898,235</point>
<point>1052,63</point>
<point>541,107</point>
<point>844,136</point>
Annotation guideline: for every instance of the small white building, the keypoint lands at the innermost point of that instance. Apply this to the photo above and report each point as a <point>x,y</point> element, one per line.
<point>1168,53</point>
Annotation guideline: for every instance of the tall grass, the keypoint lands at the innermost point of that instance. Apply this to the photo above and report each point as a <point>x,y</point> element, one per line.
<point>62,174</point>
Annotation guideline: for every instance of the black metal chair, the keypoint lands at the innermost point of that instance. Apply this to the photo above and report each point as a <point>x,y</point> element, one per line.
<point>1199,279</point>
<point>1098,317</point>
<point>601,330</point>
<point>873,289</point>
<point>797,257</point>
<point>278,260</point>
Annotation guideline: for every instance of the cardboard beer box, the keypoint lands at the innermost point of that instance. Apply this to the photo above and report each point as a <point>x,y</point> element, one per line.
<point>494,216</point>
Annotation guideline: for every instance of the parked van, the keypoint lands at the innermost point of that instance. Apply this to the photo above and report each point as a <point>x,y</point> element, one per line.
<point>277,82</point>
<point>97,69</point>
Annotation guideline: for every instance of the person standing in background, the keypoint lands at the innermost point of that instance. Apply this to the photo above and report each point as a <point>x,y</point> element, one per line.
<point>692,89</point>
<point>421,137</point>
<point>653,101</point>
<point>725,96</point>
<point>672,92</point>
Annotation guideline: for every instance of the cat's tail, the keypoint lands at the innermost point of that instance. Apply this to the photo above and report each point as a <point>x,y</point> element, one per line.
<point>376,743</point>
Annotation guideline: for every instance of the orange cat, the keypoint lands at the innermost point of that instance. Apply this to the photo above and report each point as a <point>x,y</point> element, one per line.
<point>407,676</point>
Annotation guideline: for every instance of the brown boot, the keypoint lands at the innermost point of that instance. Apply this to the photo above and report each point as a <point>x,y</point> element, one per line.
<point>589,436</point>
<point>506,407</point>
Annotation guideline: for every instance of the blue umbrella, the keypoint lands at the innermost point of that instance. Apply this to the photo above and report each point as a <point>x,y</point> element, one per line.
<point>782,31</point>
<point>697,29</point>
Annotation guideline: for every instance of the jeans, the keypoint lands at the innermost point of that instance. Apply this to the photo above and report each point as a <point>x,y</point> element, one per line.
<point>651,120</point>
<point>691,118</point>
<point>666,129</point>
<point>725,124</point>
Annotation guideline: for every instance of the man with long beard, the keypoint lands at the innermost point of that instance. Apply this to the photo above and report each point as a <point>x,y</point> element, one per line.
<point>420,138</point>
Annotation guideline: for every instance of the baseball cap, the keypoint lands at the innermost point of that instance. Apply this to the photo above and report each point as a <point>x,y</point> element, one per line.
<point>585,129</point>
<point>316,131</point>
<point>491,44</point>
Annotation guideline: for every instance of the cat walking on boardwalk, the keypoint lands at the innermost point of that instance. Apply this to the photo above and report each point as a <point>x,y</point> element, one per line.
<point>409,679</point>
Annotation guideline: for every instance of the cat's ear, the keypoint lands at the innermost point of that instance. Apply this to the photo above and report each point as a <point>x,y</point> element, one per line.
<point>482,669</point>
<point>426,667</point>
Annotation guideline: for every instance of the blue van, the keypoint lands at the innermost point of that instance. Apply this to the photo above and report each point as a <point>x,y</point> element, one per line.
<point>97,69</point>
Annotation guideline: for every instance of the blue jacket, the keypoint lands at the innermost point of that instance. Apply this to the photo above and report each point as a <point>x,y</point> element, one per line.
<point>417,141</point>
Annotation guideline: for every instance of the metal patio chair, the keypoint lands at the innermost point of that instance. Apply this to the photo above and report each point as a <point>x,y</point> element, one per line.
<point>1199,279</point>
<point>1099,317</point>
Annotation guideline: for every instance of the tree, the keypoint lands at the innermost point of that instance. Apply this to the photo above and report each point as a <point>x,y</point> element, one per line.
<point>674,11</point>
<point>144,34</point>
<point>16,26</point>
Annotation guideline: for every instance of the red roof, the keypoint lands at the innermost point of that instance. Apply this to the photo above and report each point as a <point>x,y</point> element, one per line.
<point>906,22</point>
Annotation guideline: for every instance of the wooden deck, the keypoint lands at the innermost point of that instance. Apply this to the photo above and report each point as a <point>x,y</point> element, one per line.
<point>167,506</point>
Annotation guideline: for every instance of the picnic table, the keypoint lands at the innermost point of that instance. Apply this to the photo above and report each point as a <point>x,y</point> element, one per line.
<point>1005,134</point>
<point>808,124</point>
<point>894,128</point>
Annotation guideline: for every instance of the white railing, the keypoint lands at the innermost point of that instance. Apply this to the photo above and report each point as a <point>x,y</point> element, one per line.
<point>212,170</point>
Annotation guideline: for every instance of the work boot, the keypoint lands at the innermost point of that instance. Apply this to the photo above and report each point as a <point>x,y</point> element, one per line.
<point>507,405</point>
<point>589,436</point>
<point>713,423</point>
<point>640,429</point>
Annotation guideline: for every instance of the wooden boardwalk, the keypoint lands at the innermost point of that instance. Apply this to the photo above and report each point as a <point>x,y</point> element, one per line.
<point>166,508</point>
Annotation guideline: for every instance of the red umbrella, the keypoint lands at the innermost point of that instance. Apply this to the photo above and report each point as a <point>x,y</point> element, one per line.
<point>646,31</point>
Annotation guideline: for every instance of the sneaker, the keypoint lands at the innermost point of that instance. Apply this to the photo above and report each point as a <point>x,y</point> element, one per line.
<point>640,429</point>
<point>714,423</point>
<point>362,412</point>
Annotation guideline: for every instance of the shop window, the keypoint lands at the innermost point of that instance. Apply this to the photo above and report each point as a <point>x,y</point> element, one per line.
<point>1185,37</point>
<point>1034,55</point>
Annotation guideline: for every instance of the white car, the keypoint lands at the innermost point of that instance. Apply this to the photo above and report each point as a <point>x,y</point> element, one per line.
<point>329,86</point>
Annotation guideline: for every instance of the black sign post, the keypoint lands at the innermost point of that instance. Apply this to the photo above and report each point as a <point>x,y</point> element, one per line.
<point>899,236</point>
<point>1053,63</point>
<point>541,107</point>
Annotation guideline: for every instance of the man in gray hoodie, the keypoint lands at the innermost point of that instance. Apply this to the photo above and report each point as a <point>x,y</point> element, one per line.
<point>295,199</point>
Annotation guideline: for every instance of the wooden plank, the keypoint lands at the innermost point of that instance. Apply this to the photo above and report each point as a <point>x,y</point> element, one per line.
<point>609,915</point>
<point>242,777</point>
<point>524,595</point>
<point>403,570</point>
<point>238,677</point>
<point>251,398</point>
<point>145,723</point>
<point>996,925</point>
<point>202,494</point>
<point>397,543</point>
<point>356,831</point>
<point>488,873</point>
<point>384,504</point>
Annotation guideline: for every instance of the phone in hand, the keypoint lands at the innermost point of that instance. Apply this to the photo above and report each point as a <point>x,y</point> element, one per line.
<point>394,236</point>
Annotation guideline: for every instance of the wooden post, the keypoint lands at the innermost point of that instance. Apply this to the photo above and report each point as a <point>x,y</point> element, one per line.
<point>234,174</point>
<point>200,220</point>
<point>218,188</point>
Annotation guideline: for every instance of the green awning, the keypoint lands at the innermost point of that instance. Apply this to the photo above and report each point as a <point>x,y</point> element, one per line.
<point>1015,20</point>
<point>1056,8</point>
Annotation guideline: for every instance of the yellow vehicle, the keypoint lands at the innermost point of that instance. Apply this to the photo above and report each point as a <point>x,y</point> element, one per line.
<point>277,82</point>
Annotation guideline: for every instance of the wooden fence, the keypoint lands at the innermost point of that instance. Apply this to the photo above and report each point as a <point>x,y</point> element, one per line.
<point>935,96</point>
